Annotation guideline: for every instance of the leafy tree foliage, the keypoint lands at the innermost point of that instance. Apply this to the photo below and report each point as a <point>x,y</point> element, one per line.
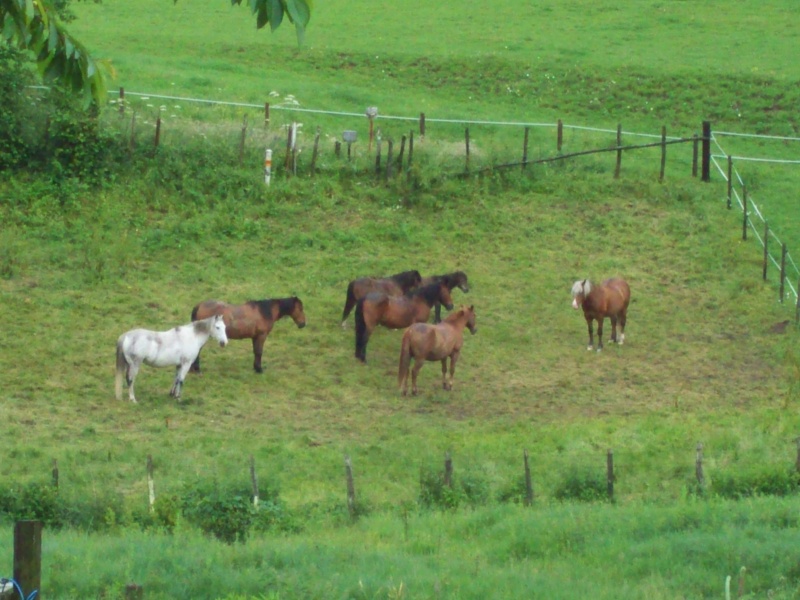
<point>38,26</point>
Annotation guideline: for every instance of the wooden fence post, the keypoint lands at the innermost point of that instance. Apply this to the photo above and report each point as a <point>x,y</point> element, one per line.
<point>744,213</point>
<point>422,126</point>
<point>287,161</point>
<point>618,167</point>
<point>315,153</point>
<point>151,487</point>
<point>766,250</point>
<point>448,471</point>
<point>254,480</point>
<point>730,180</point>
<point>410,150</point>
<point>28,556</point>
<point>797,307</point>
<point>525,148</point>
<point>528,484</point>
<point>559,136</point>
<point>783,271</point>
<point>706,159</point>
<point>351,489</point>
<point>663,153</point>
<point>158,132</point>
<point>698,466</point>
<point>400,154</point>
<point>610,474</point>
<point>378,154</point>
<point>389,150</point>
<point>266,114</point>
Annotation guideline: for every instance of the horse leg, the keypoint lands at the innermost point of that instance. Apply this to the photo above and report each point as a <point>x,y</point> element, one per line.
<point>180,376</point>
<point>623,317</point>
<point>444,374</point>
<point>418,362</point>
<point>453,360</point>
<point>258,350</point>
<point>613,329</point>
<point>437,312</point>
<point>591,334</point>
<point>196,364</point>
<point>599,334</point>
<point>133,369</point>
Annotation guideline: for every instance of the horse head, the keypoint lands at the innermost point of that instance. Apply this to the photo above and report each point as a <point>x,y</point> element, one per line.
<point>460,281</point>
<point>471,321</point>
<point>580,289</point>
<point>218,331</point>
<point>444,296</point>
<point>297,314</point>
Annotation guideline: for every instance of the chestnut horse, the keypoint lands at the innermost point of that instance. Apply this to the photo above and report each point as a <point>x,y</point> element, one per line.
<point>609,299</point>
<point>253,319</point>
<point>394,285</point>
<point>422,342</point>
<point>456,279</point>
<point>396,312</point>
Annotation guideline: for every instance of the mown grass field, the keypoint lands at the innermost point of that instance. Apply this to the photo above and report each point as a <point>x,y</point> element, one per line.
<point>701,361</point>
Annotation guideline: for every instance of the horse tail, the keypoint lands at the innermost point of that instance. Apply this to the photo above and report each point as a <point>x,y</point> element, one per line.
<point>350,300</point>
<point>361,332</point>
<point>121,370</point>
<point>405,358</point>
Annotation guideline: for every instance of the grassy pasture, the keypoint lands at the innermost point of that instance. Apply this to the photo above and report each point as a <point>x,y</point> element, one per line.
<point>700,361</point>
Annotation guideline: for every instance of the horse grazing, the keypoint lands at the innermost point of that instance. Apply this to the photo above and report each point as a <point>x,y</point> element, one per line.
<point>253,320</point>
<point>179,347</point>
<point>609,299</point>
<point>394,285</point>
<point>396,312</point>
<point>422,342</point>
<point>456,279</point>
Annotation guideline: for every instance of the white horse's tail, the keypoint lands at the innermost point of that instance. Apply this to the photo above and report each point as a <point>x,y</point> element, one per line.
<point>121,371</point>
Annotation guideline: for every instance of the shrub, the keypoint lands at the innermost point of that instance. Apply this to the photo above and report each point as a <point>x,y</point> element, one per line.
<point>468,487</point>
<point>582,486</point>
<point>224,511</point>
<point>765,482</point>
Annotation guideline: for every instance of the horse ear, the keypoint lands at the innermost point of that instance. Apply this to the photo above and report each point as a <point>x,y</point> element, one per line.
<point>472,307</point>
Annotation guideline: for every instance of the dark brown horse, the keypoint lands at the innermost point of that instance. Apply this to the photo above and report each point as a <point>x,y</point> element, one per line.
<point>609,299</point>
<point>253,319</point>
<point>396,312</point>
<point>456,279</point>
<point>422,342</point>
<point>394,285</point>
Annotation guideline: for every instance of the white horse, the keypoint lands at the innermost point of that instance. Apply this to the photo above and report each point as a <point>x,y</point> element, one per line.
<point>179,347</point>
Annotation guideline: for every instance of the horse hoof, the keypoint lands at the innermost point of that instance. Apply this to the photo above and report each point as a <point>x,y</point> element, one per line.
<point>590,348</point>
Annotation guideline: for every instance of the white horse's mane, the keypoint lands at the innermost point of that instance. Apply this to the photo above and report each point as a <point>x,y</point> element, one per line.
<point>582,287</point>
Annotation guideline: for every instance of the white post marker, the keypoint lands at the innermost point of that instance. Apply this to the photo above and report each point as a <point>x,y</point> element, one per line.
<point>268,166</point>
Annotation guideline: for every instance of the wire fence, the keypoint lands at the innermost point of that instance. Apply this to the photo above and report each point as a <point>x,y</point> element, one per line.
<point>754,220</point>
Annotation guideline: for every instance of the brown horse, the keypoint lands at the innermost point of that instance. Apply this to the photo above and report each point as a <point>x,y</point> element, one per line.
<point>396,312</point>
<point>394,285</point>
<point>253,319</point>
<point>456,279</point>
<point>434,342</point>
<point>609,299</point>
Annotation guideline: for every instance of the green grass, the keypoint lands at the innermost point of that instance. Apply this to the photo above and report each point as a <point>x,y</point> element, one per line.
<point>83,264</point>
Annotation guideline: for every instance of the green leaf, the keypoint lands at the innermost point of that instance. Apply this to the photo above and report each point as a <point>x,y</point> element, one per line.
<point>263,16</point>
<point>299,12</point>
<point>274,13</point>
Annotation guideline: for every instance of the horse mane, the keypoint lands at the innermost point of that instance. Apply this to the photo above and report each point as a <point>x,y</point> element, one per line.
<point>430,292</point>
<point>406,278</point>
<point>582,286</point>
<point>203,325</point>
<point>285,306</point>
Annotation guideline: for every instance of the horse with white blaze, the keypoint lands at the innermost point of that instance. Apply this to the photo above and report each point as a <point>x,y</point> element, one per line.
<point>177,347</point>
